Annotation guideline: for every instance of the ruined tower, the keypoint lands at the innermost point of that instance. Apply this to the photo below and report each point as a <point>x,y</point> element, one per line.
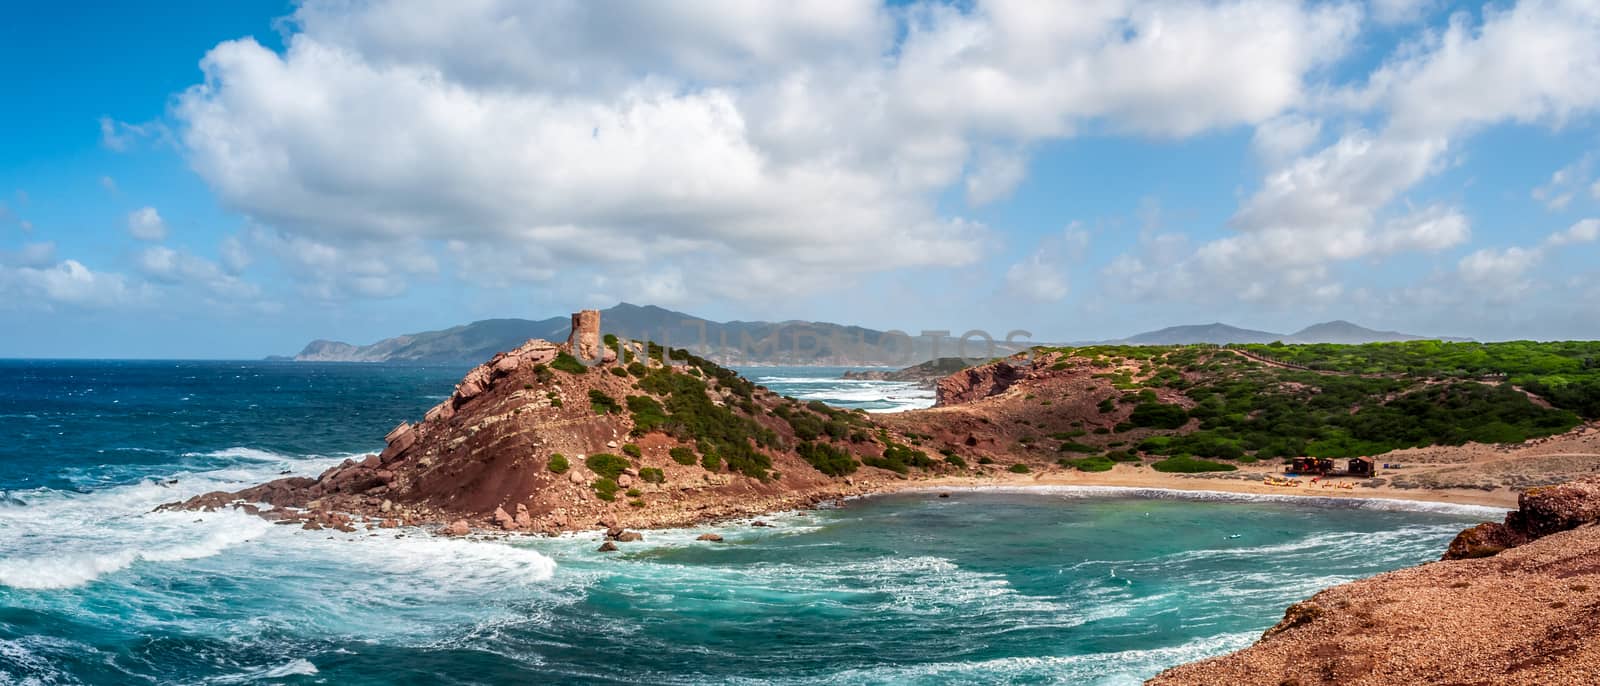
<point>585,337</point>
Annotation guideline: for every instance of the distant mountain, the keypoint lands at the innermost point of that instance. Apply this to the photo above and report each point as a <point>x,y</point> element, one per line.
<point>1337,331</point>
<point>737,342</point>
<point>1219,334</point>
<point>1340,331</point>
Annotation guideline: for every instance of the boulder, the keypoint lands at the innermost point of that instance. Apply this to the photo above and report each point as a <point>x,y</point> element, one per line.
<point>613,532</point>
<point>524,518</point>
<point>458,528</point>
<point>504,519</point>
<point>629,537</point>
<point>714,538</point>
<point>759,523</point>
<point>1540,512</point>
<point>608,547</point>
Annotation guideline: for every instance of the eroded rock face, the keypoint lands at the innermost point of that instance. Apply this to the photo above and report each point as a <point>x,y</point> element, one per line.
<point>976,383</point>
<point>1540,512</point>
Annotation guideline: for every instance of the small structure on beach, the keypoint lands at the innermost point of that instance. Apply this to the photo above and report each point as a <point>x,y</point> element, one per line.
<point>1362,466</point>
<point>1311,465</point>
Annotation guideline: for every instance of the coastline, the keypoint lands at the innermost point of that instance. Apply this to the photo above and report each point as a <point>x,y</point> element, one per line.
<point>1124,476</point>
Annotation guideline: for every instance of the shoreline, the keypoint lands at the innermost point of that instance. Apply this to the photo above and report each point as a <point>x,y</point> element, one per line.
<point>1123,476</point>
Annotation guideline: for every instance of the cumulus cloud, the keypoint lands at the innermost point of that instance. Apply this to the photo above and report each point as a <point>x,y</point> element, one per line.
<point>1585,231</point>
<point>1282,138</point>
<point>790,143</point>
<point>146,224</point>
<point>1565,184</point>
<point>1392,12</point>
<point>66,283</point>
<point>172,267</point>
<point>1535,62</point>
<point>1042,275</point>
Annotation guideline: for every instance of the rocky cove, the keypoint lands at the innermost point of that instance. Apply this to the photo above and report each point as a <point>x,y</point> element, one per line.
<point>535,442</point>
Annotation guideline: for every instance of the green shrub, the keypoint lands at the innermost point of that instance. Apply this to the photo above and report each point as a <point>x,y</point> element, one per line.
<point>607,465</point>
<point>985,460</point>
<point>1149,413</point>
<point>542,373</point>
<point>634,493</point>
<point>632,450</point>
<point>618,371</point>
<point>1096,463</point>
<point>638,369</point>
<point>826,458</point>
<point>955,461</point>
<point>606,489</point>
<point>1018,468</point>
<point>565,362</point>
<point>648,415</point>
<point>1183,464</point>
<point>558,463</point>
<point>711,462</point>
<point>636,503</point>
<point>1122,456</point>
<point>899,458</point>
<point>610,340</point>
<point>652,475</point>
<point>602,403</point>
<point>682,455</point>
<point>1072,447</point>
<point>1107,406</point>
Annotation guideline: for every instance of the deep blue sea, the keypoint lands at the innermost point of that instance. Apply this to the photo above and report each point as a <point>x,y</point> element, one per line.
<point>1072,586</point>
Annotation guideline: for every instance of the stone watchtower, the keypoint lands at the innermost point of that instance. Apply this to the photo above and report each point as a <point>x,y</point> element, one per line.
<point>585,337</point>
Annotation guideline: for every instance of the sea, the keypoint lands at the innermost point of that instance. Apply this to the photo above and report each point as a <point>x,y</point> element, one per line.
<point>990,586</point>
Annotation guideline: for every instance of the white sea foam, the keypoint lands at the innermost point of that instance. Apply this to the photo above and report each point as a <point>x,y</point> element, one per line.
<point>1104,669</point>
<point>295,667</point>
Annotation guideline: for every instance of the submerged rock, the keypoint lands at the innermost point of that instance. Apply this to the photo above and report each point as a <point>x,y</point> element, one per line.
<point>608,547</point>
<point>714,538</point>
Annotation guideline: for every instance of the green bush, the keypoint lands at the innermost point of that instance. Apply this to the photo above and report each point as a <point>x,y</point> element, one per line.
<point>899,458</point>
<point>826,458</point>
<point>955,461</point>
<point>1152,414</point>
<point>1107,406</point>
<point>542,373</point>
<point>632,450</point>
<point>1096,463</point>
<point>567,363</point>
<point>648,415</point>
<point>607,465</point>
<point>638,369</point>
<point>618,371</point>
<point>985,460</point>
<point>711,462</point>
<point>652,475</point>
<point>606,489</point>
<point>1072,447</point>
<point>682,455</point>
<point>1183,464</point>
<point>558,463</point>
<point>602,403</point>
<point>1018,468</point>
<point>1122,456</point>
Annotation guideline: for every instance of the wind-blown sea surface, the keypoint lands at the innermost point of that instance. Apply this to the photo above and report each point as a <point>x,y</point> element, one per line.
<point>826,384</point>
<point>1000,586</point>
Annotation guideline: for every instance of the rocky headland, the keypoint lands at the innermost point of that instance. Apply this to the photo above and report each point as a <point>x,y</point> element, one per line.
<point>1511,603</point>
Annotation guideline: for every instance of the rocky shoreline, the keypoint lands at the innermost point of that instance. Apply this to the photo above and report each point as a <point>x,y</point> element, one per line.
<point>1512,603</point>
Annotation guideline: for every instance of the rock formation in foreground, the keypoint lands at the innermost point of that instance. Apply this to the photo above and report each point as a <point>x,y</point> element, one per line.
<point>1528,613</point>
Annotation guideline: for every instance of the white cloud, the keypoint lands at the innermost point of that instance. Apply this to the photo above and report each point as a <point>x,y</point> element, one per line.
<point>1585,231</point>
<point>1281,138</point>
<point>175,268</point>
<point>109,184</point>
<point>66,283</point>
<point>995,176</point>
<point>1042,275</point>
<point>146,224</point>
<point>794,143</point>
<point>235,257</point>
<point>1564,184</point>
<point>120,136</point>
<point>1536,62</point>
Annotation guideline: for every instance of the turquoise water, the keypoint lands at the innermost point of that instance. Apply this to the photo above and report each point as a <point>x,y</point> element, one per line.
<point>1050,586</point>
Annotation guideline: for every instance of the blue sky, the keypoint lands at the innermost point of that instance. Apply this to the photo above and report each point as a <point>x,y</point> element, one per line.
<point>234,179</point>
